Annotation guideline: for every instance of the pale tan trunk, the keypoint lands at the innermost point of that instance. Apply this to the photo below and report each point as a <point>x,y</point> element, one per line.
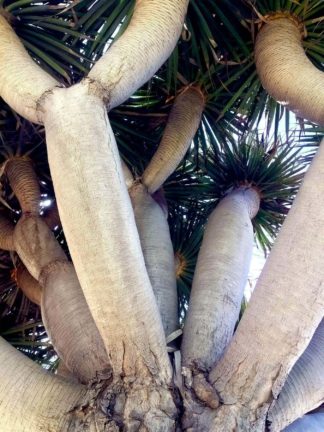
<point>22,81</point>
<point>154,234</point>
<point>146,44</point>
<point>6,234</point>
<point>304,389</point>
<point>284,311</point>
<point>286,72</point>
<point>99,225</point>
<point>32,400</point>
<point>29,285</point>
<point>220,277</point>
<point>180,130</point>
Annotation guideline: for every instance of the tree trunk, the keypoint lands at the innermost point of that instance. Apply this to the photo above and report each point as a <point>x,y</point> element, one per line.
<point>145,45</point>
<point>304,389</point>
<point>32,400</point>
<point>271,335</point>
<point>99,225</point>
<point>220,277</point>
<point>154,234</point>
<point>308,423</point>
<point>109,264</point>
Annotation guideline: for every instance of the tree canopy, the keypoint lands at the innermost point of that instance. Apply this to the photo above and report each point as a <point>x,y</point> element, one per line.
<point>241,137</point>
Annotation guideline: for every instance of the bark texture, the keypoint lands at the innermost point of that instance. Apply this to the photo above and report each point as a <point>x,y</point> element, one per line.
<point>24,183</point>
<point>18,75</point>
<point>286,72</point>
<point>154,234</point>
<point>220,277</point>
<point>304,389</point>
<point>6,234</point>
<point>308,423</point>
<point>266,344</point>
<point>32,399</point>
<point>182,125</point>
<point>132,60</point>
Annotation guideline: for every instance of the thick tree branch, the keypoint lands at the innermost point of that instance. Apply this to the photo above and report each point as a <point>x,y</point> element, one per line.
<point>304,389</point>
<point>99,225</point>
<point>64,310</point>
<point>146,44</point>
<point>22,81</point>
<point>179,132</point>
<point>32,399</point>
<point>308,423</point>
<point>266,344</point>
<point>286,72</point>
<point>6,234</point>
<point>220,277</point>
<point>51,217</point>
<point>69,323</point>
<point>154,233</point>
<point>24,183</point>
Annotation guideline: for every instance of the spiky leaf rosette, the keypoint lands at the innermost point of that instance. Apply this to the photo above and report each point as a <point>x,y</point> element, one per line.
<point>274,168</point>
